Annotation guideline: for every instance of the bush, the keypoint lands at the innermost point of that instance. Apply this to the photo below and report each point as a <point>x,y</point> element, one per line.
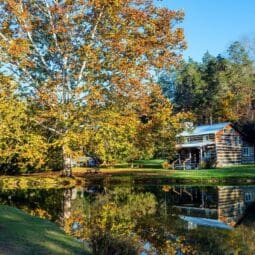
<point>166,165</point>
<point>208,163</point>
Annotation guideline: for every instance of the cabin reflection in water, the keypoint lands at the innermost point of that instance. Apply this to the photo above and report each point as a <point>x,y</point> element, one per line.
<point>220,207</point>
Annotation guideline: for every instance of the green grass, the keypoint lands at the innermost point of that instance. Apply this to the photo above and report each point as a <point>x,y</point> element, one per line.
<point>235,172</point>
<point>244,171</point>
<point>150,161</point>
<point>154,167</point>
<point>22,234</point>
<point>146,163</point>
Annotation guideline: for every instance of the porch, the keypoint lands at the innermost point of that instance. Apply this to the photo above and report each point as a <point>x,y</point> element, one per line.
<point>190,156</point>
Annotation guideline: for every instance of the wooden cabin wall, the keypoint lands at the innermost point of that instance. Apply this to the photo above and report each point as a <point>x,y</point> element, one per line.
<point>228,147</point>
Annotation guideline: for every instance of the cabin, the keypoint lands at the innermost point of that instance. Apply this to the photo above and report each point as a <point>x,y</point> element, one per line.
<point>212,145</point>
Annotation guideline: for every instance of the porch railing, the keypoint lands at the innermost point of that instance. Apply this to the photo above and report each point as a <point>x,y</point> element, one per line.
<point>178,143</point>
<point>185,165</point>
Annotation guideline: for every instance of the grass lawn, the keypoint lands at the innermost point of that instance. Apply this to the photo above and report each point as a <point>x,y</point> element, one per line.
<point>146,163</point>
<point>242,171</point>
<point>22,234</point>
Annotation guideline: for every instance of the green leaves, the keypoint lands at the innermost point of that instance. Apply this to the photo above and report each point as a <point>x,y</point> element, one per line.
<point>21,146</point>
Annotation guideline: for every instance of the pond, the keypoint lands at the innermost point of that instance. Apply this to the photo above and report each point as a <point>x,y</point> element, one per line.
<point>132,218</point>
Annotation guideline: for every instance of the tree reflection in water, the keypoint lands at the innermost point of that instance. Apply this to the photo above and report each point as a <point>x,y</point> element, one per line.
<point>121,221</point>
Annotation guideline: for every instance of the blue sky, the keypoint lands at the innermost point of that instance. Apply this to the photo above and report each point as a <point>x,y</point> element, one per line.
<point>213,24</point>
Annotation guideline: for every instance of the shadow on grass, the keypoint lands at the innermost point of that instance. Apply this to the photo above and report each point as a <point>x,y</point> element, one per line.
<point>21,234</point>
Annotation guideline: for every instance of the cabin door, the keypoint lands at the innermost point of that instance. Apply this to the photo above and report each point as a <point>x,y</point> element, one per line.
<point>196,156</point>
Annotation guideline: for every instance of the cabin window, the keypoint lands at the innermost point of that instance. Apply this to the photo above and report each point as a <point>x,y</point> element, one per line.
<point>232,131</point>
<point>238,140</point>
<point>247,151</point>
<point>248,197</point>
<point>227,140</point>
<point>206,138</point>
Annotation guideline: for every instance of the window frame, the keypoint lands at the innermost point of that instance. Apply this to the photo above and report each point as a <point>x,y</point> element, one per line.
<point>248,197</point>
<point>247,151</point>
<point>206,138</point>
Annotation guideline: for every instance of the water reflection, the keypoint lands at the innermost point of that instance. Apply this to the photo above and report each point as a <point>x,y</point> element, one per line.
<point>146,219</point>
<point>225,204</point>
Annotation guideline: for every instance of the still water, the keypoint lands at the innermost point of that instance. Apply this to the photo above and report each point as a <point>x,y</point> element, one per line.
<point>141,219</point>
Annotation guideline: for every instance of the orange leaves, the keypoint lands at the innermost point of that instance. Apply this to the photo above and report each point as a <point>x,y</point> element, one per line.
<point>98,4</point>
<point>18,9</point>
<point>179,34</point>
<point>18,48</point>
<point>95,96</point>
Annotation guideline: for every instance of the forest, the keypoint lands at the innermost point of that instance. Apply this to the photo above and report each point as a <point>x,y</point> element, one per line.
<point>217,89</point>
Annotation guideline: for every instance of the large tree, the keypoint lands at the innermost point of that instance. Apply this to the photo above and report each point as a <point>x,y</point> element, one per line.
<point>75,59</point>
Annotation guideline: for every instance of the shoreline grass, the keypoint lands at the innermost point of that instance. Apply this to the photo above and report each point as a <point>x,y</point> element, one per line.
<point>28,235</point>
<point>235,172</point>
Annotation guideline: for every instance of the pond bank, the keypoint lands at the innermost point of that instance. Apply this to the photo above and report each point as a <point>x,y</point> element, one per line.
<point>81,176</point>
<point>28,235</point>
<point>232,175</point>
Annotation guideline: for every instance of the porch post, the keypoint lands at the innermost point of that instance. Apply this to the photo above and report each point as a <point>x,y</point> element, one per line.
<point>190,166</point>
<point>201,154</point>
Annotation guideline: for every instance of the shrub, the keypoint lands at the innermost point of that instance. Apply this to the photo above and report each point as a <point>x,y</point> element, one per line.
<point>208,163</point>
<point>166,165</point>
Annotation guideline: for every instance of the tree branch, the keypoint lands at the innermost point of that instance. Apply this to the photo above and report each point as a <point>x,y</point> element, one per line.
<point>47,128</point>
<point>3,36</point>
<point>52,25</point>
<point>36,49</point>
<point>29,34</point>
<point>92,38</point>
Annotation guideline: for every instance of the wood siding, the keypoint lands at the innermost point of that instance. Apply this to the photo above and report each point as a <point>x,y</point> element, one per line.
<point>228,147</point>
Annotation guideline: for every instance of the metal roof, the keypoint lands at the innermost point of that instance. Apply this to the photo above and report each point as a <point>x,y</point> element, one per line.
<point>205,130</point>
